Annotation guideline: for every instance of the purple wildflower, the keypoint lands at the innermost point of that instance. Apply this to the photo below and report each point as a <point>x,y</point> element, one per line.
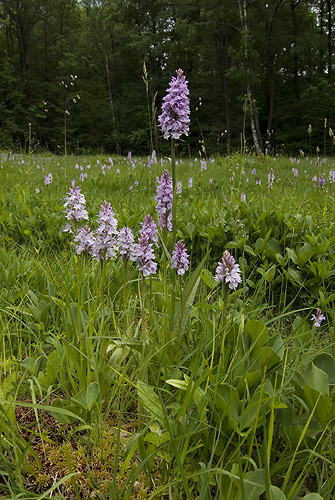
<point>150,163</point>
<point>149,228</point>
<point>295,172</point>
<point>180,259</point>
<point>75,207</point>
<point>125,243</point>
<point>145,256</point>
<point>243,197</point>
<point>318,318</point>
<point>48,179</point>
<point>203,165</point>
<point>85,240</point>
<point>258,181</point>
<point>332,176</point>
<point>179,188</point>
<point>153,157</point>
<point>271,178</point>
<point>175,117</point>
<point>190,182</point>
<point>164,200</point>
<point>228,271</point>
<point>104,245</point>
<point>322,181</point>
<point>253,171</point>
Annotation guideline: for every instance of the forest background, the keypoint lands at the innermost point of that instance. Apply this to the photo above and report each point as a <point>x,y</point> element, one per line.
<point>90,75</point>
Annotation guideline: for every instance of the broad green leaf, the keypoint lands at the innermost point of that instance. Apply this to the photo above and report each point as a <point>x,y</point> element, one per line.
<point>251,414</point>
<point>295,276</point>
<point>267,356</point>
<point>301,330</point>
<point>276,494</point>
<point>151,401</point>
<point>225,398</point>
<point>312,496</point>
<point>280,260</point>
<point>322,402</point>
<point>322,270</point>
<point>277,345</point>
<point>249,250</point>
<point>157,439</point>
<point>254,485</point>
<point>190,230</point>
<point>316,379</point>
<point>305,253</point>
<point>310,223</point>
<point>246,381</point>
<point>180,384</point>
<point>52,369</point>
<point>258,332</point>
<point>326,363</point>
<point>293,256</point>
<point>269,274</point>
<point>92,393</point>
<point>275,246</point>
<point>64,411</point>
<point>187,385</point>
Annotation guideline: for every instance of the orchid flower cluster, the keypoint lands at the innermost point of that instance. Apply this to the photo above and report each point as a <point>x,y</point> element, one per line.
<point>75,208</point>
<point>107,240</point>
<point>228,271</point>
<point>164,200</point>
<point>175,117</point>
<point>318,318</point>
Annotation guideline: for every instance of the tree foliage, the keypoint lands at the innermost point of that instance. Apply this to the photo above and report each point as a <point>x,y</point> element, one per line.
<point>91,74</point>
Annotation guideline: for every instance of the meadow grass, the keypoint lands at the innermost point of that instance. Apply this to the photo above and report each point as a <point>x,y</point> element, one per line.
<point>116,385</point>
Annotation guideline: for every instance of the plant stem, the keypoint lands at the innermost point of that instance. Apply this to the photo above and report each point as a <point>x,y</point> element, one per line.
<point>174,213</point>
<point>143,371</point>
<point>174,220</point>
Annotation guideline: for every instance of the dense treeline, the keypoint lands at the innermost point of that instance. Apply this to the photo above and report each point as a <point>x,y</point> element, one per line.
<point>90,75</point>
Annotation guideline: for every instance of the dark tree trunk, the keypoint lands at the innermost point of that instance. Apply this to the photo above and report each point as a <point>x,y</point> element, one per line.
<point>330,36</point>
<point>251,101</point>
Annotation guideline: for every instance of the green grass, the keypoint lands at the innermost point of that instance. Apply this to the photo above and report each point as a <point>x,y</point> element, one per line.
<point>120,387</point>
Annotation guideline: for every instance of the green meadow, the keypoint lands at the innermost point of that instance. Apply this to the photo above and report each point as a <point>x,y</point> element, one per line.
<point>116,385</point>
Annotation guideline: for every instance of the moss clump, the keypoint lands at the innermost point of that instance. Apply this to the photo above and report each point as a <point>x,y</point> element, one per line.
<point>91,461</point>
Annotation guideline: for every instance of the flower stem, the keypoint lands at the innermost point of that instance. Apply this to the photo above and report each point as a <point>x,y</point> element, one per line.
<point>143,369</point>
<point>174,212</point>
<point>174,219</point>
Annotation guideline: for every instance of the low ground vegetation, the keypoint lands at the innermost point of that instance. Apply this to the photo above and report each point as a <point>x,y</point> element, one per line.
<point>118,383</point>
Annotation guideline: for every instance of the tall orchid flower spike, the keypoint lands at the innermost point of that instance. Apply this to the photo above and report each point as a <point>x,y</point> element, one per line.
<point>175,117</point>
<point>228,271</point>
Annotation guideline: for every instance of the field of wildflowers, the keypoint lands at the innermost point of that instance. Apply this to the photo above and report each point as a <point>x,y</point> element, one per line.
<point>167,325</point>
<point>134,365</point>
